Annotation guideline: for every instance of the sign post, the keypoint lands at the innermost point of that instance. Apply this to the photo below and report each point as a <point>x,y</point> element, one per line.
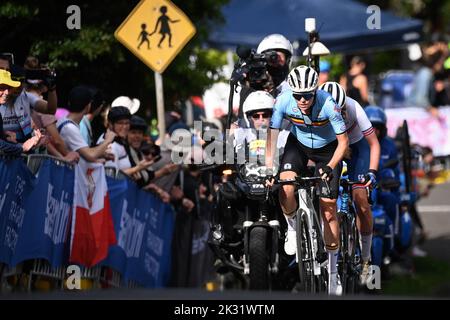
<point>155,32</point>
<point>160,106</point>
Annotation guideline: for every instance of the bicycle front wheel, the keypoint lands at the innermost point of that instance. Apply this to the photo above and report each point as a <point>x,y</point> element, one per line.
<point>305,253</point>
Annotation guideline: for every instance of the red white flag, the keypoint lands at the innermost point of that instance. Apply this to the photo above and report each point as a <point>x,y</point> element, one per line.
<point>92,225</point>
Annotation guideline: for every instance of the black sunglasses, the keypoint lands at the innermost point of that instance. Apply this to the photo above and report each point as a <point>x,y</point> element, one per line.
<point>265,115</point>
<point>306,96</point>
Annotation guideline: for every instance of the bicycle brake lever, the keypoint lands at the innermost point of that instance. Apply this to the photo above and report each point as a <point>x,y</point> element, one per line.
<point>328,187</point>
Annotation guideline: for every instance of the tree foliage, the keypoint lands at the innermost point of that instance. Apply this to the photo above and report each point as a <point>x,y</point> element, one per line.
<point>92,55</point>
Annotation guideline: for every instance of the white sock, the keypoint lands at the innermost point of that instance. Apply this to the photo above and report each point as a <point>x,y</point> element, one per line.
<point>332,260</point>
<point>366,244</point>
<point>290,220</point>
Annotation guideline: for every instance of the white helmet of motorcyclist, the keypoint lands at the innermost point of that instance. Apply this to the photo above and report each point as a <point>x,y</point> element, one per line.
<point>257,101</point>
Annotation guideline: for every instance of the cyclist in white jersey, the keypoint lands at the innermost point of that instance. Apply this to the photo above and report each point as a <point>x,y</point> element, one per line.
<point>362,164</point>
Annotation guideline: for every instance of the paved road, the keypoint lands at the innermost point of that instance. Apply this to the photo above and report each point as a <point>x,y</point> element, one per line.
<point>435,212</point>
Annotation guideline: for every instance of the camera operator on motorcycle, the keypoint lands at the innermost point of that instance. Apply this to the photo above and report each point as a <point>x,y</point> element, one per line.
<point>270,74</point>
<point>362,164</point>
<point>318,134</point>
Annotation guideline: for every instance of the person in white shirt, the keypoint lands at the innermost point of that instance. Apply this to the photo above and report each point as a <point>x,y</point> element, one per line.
<point>119,123</point>
<point>79,103</point>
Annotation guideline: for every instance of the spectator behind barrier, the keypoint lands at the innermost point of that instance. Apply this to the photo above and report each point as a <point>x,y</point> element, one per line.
<point>355,82</point>
<point>432,61</point>
<point>16,112</point>
<point>139,150</point>
<point>47,122</point>
<point>97,105</point>
<point>119,123</point>
<point>9,147</point>
<point>324,74</point>
<point>79,103</point>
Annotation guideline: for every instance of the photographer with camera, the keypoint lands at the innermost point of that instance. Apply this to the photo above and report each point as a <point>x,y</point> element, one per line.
<point>266,69</point>
<point>6,146</point>
<point>46,123</point>
<point>39,79</point>
<point>16,112</point>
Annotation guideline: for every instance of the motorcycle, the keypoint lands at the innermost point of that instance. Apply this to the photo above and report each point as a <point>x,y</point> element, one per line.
<point>245,228</point>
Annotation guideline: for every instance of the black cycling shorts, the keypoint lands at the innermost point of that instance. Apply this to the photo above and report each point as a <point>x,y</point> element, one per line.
<point>296,156</point>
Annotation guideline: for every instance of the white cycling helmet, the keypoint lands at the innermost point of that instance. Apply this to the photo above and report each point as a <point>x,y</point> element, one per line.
<point>273,42</point>
<point>336,91</point>
<point>256,101</point>
<point>303,79</point>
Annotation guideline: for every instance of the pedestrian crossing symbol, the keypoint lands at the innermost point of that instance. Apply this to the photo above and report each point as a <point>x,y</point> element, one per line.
<point>155,32</point>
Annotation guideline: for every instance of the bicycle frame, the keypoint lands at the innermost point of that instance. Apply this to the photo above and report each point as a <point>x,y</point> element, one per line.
<point>306,208</point>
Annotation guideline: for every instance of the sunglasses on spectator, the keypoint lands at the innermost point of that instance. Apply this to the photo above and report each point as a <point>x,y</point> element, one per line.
<point>306,96</point>
<point>264,115</point>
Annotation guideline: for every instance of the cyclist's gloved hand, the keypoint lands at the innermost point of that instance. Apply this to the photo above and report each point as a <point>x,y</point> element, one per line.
<point>370,179</point>
<point>326,173</point>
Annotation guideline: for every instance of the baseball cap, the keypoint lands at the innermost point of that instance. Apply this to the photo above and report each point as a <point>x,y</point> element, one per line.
<point>5,78</point>
<point>324,66</point>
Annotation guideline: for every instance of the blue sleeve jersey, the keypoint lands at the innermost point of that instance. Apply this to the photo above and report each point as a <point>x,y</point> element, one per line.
<point>388,152</point>
<point>315,130</point>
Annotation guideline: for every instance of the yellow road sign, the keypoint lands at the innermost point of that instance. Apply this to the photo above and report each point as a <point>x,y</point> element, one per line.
<point>155,32</point>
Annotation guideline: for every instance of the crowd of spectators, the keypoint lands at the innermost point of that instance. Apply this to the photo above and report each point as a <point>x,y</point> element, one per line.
<point>94,130</point>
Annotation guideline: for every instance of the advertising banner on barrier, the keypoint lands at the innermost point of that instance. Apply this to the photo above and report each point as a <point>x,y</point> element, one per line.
<point>16,183</point>
<point>117,190</point>
<point>36,222</point>
<point>46,225</point>
<point>144,227</point>
<point>424,128</point>
<point>148,245</point>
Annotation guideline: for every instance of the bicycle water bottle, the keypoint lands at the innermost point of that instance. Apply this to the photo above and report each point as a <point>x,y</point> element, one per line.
<point>344,202</point>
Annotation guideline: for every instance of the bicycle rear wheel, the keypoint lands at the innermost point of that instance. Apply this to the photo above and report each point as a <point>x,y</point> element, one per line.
<point>344,250</point>
<point>354,258</point>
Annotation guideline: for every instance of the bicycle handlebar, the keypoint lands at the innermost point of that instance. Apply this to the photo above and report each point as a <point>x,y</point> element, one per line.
<point>300,181</point>
<point>345,183</point>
